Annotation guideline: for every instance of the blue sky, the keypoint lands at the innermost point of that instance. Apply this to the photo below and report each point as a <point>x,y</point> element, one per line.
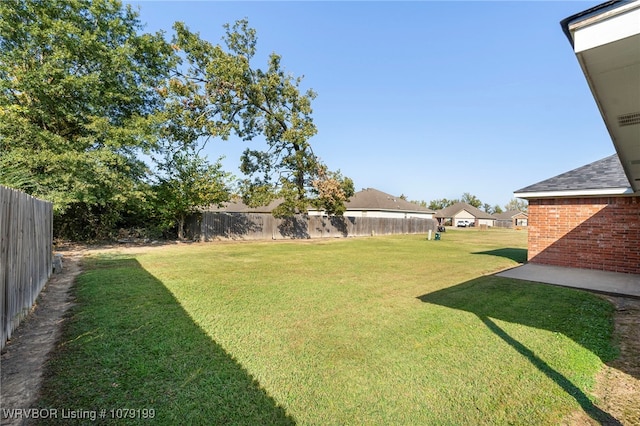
<point>427,99</point>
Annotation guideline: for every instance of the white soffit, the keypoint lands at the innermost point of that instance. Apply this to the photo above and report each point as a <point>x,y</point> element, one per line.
<point>607,45</point>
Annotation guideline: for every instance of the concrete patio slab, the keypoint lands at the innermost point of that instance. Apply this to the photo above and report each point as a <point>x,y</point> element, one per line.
<point>615,283</point>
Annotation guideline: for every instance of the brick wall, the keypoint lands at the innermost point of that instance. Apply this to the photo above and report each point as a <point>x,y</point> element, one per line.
<point>594,233</point>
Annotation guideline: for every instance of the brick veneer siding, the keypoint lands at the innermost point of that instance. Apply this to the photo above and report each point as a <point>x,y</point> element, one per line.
<point>593,233</point>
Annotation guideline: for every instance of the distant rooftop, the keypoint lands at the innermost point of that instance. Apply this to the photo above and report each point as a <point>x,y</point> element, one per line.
<point>367,199</point>
<point>373,199</point>
<point>236,205</point>
<point>456,208</point>
<point>509,214</point>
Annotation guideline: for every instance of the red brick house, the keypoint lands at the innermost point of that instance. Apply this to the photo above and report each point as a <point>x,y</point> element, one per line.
<point>590,217</point>
<point>585,218</point>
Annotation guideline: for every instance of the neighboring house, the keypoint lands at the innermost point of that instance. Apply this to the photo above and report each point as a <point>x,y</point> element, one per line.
<point>463,213</point>
<point>511,219</point>
<point>366,203</point>
<point>590,217</point>
<point>373,203</point>
<point>237,206</point>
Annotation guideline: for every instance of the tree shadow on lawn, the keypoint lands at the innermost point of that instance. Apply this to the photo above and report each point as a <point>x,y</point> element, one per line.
<point>576,315</point>
<point>130,344</point>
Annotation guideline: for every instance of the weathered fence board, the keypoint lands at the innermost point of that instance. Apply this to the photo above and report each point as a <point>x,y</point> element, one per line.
<point>261,226</point>
<point>26,237</point>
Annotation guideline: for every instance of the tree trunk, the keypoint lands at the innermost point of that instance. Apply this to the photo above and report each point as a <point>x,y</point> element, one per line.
<point>181,227</point>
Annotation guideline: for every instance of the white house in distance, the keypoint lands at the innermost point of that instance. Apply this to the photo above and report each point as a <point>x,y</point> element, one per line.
<point>464,214</point>
<point>511,219</point>
<point>373,203</point>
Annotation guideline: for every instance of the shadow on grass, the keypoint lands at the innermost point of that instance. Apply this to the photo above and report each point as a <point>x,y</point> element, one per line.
<point>129,344</point>
<point>580,316</point>
<point>516,254</point>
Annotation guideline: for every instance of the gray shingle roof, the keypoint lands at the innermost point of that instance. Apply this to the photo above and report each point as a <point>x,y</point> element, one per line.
<point>456,208</point>
<point>602,174</point>
<point>372,199</point>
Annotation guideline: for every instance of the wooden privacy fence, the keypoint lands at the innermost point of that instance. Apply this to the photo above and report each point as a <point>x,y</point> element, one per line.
<point>26,237</point>
<point>263,226</point>
<point>503,223</point>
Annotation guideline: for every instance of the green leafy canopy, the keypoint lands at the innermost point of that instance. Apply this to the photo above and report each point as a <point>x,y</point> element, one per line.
<point>225,94</point>
<point>84,91</point>
<point>78,84</point>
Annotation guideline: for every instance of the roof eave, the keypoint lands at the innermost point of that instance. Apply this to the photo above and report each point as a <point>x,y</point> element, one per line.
<point>567,22</point>
<point>612,24</point>
<point>575,193</point>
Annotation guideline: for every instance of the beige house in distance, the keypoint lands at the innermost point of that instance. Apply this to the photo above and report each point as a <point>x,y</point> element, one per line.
<point>512,219</point>
<point>463,214</point>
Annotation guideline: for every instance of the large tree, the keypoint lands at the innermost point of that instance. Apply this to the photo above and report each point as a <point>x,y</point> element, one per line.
<point>186,184</point>
<point>78,83</point>
<point>223,93</point>
<point>516,204</point>
<point>83,91</point>
<point>441,203</point>
<point>471,199</point>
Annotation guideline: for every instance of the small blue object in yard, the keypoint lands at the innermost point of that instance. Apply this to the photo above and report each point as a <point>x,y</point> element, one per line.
<point>437,236</point>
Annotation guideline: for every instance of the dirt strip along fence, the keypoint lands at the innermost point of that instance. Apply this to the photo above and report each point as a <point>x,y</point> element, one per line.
<point>26,237</point>
<point>263,226</point>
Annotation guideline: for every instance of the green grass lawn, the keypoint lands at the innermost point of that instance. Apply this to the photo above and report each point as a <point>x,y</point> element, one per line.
<point>385,330</point>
